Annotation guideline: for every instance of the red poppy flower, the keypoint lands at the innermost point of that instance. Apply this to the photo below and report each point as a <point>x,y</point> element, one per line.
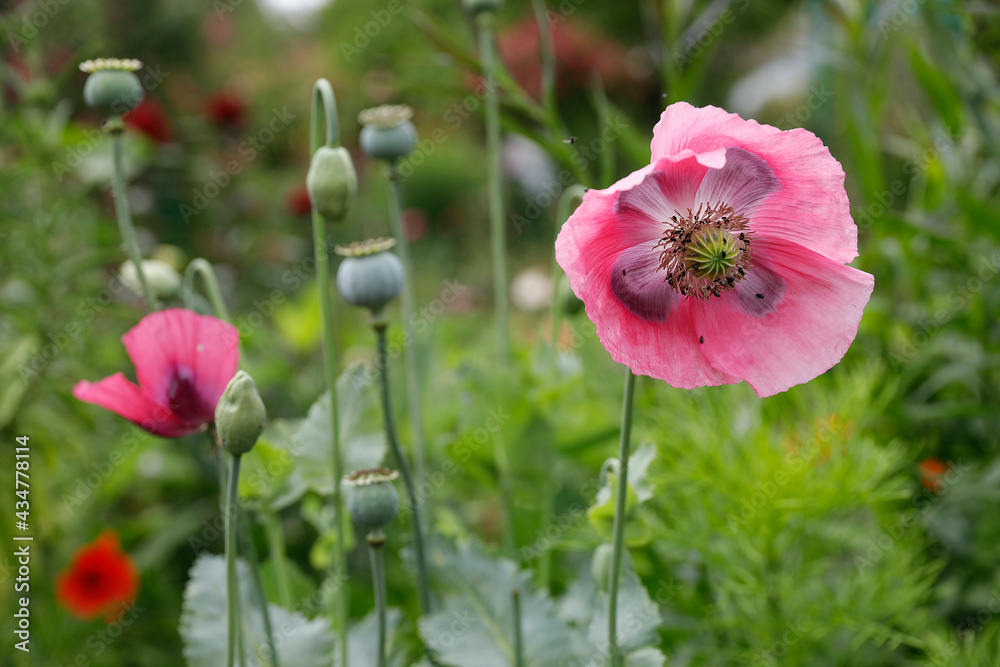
<point>225,109</point>
<point>298,201</point>
<point>724,259</point>
<point>183,362</point>
<point>149,118</point>
<point>933,472</point>
<point>99,579</point>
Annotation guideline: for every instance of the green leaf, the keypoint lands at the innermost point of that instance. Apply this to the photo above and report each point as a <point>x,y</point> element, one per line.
<point>476,624</point>
<point>362,440</point>
<point>362,639</point>
<point>270,480</point>
<point>299,641</point>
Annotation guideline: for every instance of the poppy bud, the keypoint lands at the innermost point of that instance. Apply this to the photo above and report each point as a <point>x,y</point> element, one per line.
<point>332,182</point>
<point>163,279</point>
<point>372,499</point>
<point>240,415</point>
<point>369,276</point>
<point>388,133</point>
<point>600,566</point>
<point>112,86</point>
<point>476,6</point>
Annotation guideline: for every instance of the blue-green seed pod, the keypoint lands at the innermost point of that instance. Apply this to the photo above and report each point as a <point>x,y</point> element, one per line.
<point>388,133</point>
<point>240,415</point>
<point>112,86</point>
<point>369,276</point>
<point>332,182</point>
<point>476,6</point>
<point>372,499</point>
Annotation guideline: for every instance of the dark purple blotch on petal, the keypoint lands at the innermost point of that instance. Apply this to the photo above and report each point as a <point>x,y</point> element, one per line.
<point>761,291</point>
<point>638,284</point>
<point>745,181</point>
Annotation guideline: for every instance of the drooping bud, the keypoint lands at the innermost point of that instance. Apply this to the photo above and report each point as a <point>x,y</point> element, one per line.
<point>332,182</point>
<point>372,499</point>
<point>240,415</point>
<point>112,86</point>
<point>388,133</point>
<point>162,278</point>
<point>369,276</point>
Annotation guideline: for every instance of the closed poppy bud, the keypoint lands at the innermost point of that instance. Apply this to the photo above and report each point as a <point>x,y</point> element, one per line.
<point>240,415</point>
<point>332,182</point>
<point>476,6</point>
<point>600,566</point>
<point>163,279</point>
<point>369,276</point>
<point>388,133</point>
<point>112,86</point>
<point>372,499</point>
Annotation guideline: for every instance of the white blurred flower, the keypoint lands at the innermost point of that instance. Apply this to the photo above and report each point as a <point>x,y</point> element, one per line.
<point>531,290</point>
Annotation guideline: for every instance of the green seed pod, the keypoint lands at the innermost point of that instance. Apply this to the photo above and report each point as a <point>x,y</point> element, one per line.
<point>112,86</point>
<point>240,415</point>
<point>372,499</point>
<point>332,182</point>
<point>388,133</point>
<point>369,276</point>
<point>600,566</point>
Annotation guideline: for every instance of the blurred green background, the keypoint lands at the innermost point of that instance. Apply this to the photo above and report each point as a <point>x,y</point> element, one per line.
<point>854,520</point>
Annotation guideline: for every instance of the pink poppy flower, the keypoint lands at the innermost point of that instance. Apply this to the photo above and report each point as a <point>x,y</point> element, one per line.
<point>724,259</point>
<point>183,362</point>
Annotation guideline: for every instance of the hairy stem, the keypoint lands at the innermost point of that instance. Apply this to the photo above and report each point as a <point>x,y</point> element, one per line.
<point>618,530</point>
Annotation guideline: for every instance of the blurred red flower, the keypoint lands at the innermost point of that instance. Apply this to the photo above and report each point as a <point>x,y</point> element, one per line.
<point>579,53</point>
<point>183,362</point>
<point>225,109</point>
<point>298,201</point>
<point>149,118</point>
<point>933,472</point>
<point>98,580</point>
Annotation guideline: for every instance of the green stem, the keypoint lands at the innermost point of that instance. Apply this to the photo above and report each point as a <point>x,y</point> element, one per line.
<point>276,547</point>
<point>518,642</point>
<point>246,541</point>
<point>621,494</point>
<point>232,582</point>
<point>404,468</point>
<point>202,267</point>
<point>378,583</point>
<point>502,462</point>
<point>409,306</point>
<point>124,214</point>
<point>548,58</point>
<point>324,104</point>
<point>498,241</point>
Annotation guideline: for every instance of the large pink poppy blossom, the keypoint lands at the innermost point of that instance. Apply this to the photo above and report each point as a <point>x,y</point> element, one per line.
<point>183,362</point>
<point>724,259</point>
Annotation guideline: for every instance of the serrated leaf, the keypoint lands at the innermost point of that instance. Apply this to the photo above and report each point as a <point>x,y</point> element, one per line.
<point>270,479</point>
<point>362,440</point>
<point>299,641</point>
<point>476,624</point>
<point>362,640</point>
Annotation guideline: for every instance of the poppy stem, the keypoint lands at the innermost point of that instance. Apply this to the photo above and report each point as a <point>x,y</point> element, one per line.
<point>412,351</point>
<point>124,213</point>
<point>250,550</point>
<point>276,546</point>
<point>376,539</point>
<point>404,468</point>
<point>202,267</point>
<point>232,582</point>
<point>498,241</point>
<point>518,640</point>
<point>324,106</point>
<point>618,528</point>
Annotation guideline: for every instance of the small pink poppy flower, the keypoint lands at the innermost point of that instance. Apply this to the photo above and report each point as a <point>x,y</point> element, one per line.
<point>724,259</point>
<point>183,362</point>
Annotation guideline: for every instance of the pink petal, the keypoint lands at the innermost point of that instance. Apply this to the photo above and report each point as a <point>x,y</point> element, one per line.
<point>743,182</point>
<point>117,394</point>
<point>184,360</point>
<point>810,207</point>
<point>670,186</point>
<point>803,325</point>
